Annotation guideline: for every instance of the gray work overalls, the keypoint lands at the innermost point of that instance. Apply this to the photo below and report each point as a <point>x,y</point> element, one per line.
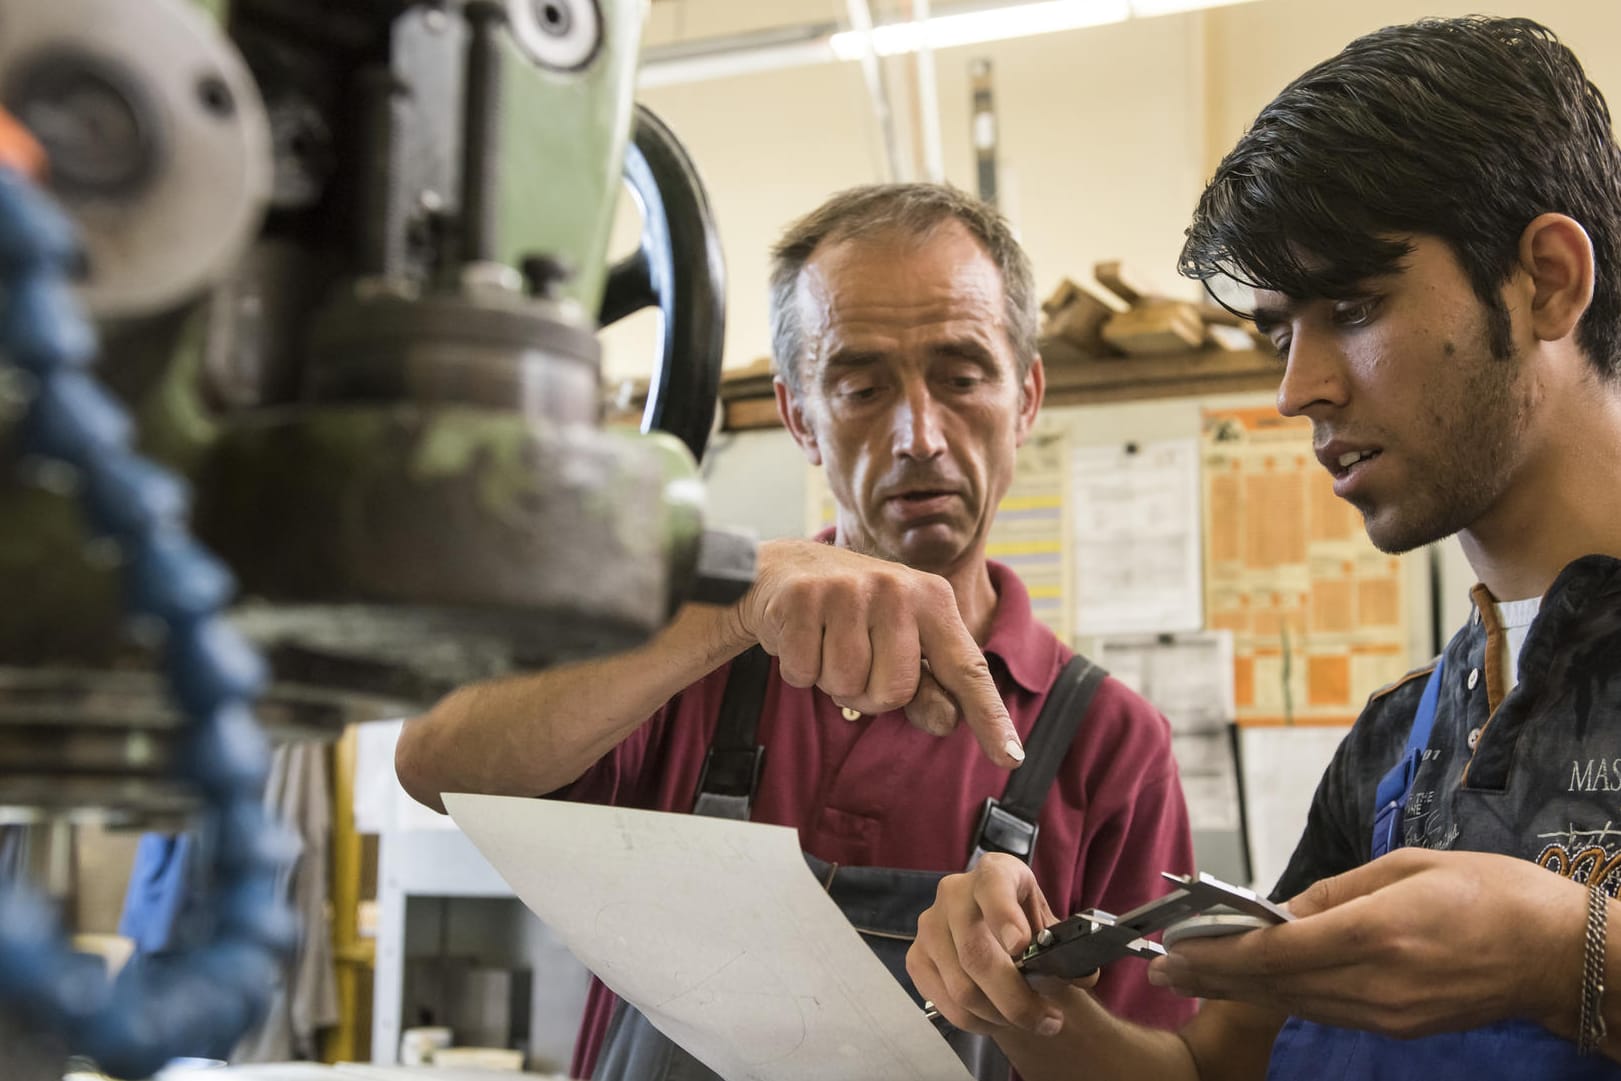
<point>883,903</point>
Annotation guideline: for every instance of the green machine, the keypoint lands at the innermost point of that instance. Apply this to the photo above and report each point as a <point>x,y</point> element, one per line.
<point>348,261</point>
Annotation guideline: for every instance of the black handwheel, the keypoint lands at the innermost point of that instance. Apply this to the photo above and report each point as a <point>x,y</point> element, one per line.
<point>680,269</point>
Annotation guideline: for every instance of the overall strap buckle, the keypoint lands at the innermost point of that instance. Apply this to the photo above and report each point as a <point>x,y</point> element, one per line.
<point>1009,824</point>
<point>1001,830</point>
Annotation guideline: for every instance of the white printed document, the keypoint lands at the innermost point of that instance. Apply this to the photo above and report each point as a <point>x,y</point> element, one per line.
<point>1190,678</point>
<point>1135,536</point>
<point>718,932</point>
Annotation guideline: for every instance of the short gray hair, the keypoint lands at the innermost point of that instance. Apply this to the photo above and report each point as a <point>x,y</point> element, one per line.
<point>904,210</point>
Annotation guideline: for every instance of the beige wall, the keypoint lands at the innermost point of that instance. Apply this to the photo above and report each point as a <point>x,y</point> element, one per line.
<point>1100,136</point>
<point>1107,133</point>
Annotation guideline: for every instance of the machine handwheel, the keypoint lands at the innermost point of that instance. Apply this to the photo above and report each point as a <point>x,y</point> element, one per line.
<point>678,268</point>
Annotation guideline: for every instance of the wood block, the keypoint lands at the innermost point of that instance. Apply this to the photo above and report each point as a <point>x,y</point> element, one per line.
<point>1155,328</point>
<point>1112,277</point>
<point>1077,316</point>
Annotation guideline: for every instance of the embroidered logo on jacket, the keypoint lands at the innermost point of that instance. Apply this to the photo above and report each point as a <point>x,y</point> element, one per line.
<point>1592,857</point>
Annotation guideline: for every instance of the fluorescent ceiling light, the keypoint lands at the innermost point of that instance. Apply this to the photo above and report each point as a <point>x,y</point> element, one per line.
<point>974,27</point>
<point>941,31</point>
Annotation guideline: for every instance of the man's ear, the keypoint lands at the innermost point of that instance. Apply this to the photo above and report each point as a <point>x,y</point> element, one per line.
<point>1031,391</point>
<point>1558,255</point>
<point>794,419</point>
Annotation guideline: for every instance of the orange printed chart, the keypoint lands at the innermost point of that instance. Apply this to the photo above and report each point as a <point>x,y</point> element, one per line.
<point>1318,614</point>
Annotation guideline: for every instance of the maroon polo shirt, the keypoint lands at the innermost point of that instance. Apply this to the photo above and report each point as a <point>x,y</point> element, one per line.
<point>876,792</point>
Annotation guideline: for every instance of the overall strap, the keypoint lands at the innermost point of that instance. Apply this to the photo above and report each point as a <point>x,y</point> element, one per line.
<point>732,767</point>
<point>1390,800</point>
<point>1009,824</point>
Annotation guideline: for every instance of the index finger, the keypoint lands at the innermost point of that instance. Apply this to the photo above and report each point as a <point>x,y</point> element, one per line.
<point>960,668</point>
<point>1336,890</point>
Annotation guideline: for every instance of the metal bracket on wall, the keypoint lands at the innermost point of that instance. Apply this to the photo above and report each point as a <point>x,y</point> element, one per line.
<point>983,130</point>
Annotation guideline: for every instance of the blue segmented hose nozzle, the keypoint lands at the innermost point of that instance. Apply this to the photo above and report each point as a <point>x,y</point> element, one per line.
<point>210,994</point>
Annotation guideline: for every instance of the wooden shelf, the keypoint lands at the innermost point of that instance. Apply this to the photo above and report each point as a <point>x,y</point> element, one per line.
<point>1073,378</point>
<point>1076,379</point>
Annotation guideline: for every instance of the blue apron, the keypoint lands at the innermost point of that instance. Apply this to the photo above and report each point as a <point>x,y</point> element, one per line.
<point>1517,1050</point>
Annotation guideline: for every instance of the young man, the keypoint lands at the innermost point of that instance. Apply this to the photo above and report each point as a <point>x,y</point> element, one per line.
<point>1431,221</point>
<point>904,335</point>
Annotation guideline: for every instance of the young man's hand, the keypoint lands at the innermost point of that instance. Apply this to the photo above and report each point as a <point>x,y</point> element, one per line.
<point>962,959</point>
<point>1413,943</point>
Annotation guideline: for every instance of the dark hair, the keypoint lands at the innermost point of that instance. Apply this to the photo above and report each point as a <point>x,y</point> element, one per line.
<point>905,210</point>
<point>1462,129</point>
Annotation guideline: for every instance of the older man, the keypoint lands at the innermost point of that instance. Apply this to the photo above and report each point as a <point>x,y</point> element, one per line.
<point>904,329</point>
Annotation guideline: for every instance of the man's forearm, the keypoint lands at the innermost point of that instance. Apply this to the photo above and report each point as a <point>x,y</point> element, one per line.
<point>530,734</point>
<point>1098,1046</point>
<point>1225,1041</point>
<point>855,626</point>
